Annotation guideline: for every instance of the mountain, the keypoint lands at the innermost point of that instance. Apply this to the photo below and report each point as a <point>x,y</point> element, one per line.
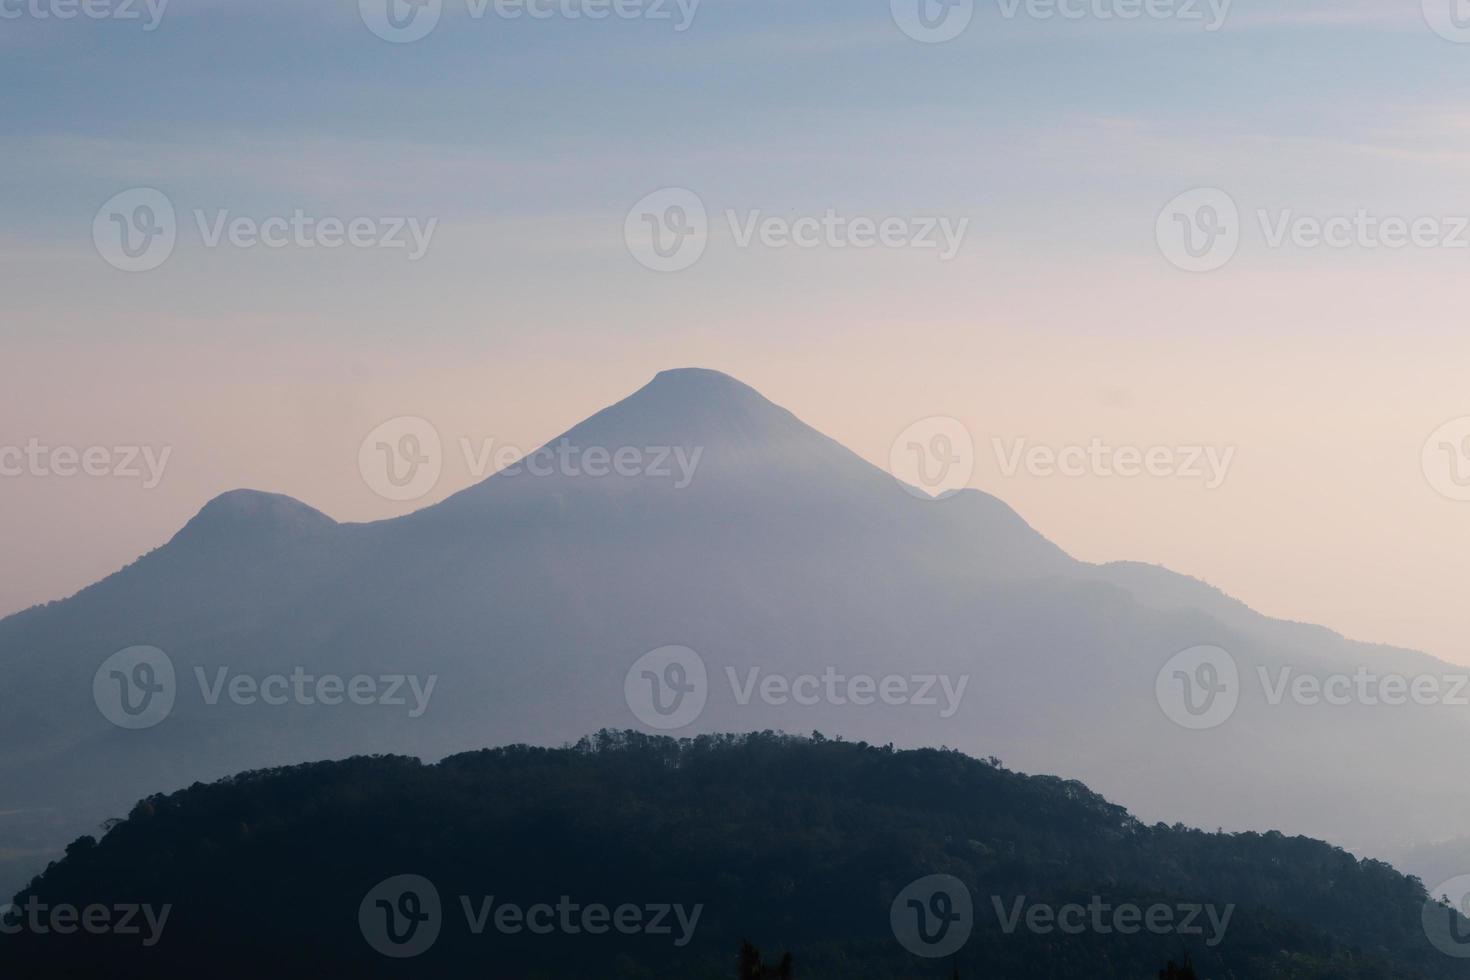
<point>859,861</point>
<point>801,577</point>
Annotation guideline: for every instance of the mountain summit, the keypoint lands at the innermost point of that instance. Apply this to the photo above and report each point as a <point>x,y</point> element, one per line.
<point>697,408</point>
<point>250,514</point>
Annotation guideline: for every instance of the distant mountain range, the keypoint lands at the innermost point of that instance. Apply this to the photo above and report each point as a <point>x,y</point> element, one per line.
<point>638,857</point>
<point>541,604</point>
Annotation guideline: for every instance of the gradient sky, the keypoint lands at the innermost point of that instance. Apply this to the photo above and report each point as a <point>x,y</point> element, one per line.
<point>528,141</point>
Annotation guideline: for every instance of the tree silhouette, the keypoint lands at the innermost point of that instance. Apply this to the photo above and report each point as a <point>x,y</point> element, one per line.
<point>1175,972</point>
<point>753,968</point>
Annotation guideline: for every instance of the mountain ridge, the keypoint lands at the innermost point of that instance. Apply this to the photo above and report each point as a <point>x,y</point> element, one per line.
<point>531,597</point>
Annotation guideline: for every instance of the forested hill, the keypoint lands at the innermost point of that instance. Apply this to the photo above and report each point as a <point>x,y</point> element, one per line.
<point>632,856</point>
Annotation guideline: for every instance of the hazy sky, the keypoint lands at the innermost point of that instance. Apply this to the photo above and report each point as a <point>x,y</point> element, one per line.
<point>1059,319</point>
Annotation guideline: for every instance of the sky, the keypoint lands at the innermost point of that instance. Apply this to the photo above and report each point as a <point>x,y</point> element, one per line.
<point>1061,152</point>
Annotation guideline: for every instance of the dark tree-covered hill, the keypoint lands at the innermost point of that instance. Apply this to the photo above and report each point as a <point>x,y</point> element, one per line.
<point>799,845</point>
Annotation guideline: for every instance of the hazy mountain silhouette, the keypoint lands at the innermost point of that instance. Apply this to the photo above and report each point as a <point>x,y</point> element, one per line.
<point>531,596</point>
